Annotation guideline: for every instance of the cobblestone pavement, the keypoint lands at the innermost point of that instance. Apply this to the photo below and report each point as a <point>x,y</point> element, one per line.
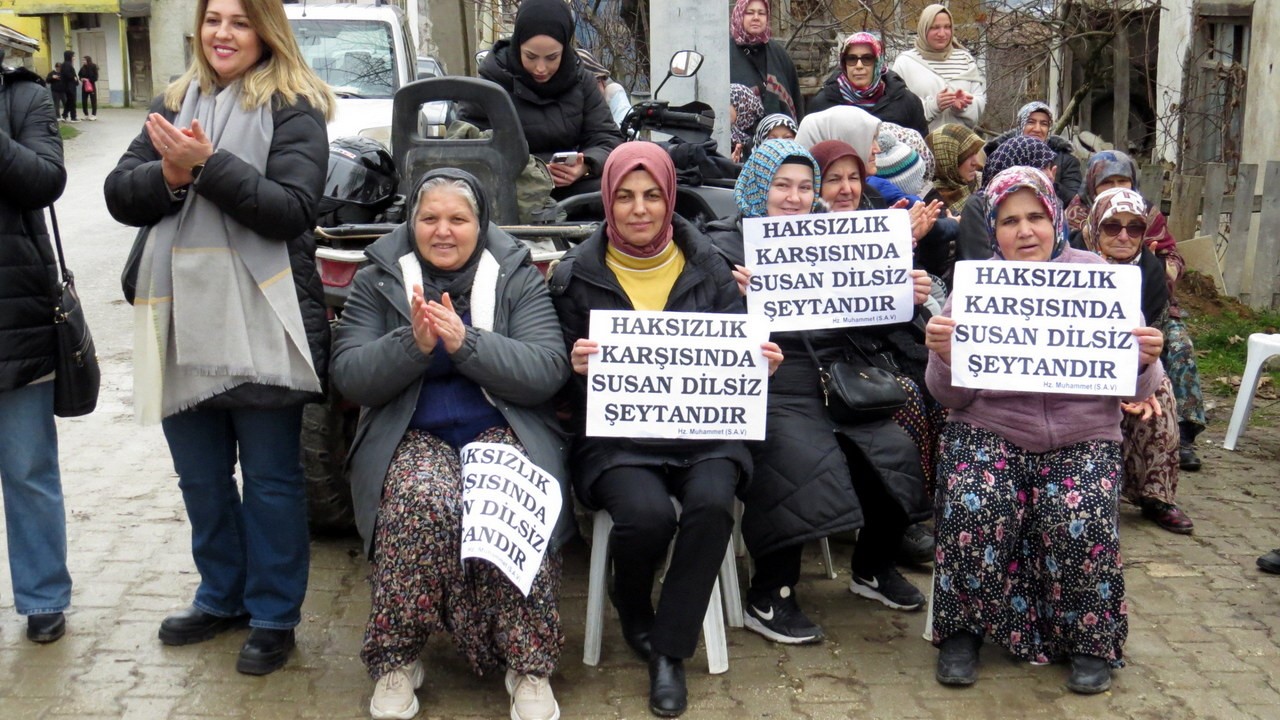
<point>1201,643</point>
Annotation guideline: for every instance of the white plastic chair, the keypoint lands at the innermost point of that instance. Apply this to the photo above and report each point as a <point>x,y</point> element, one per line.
<point>1261,347</point>
<point>713,622</point>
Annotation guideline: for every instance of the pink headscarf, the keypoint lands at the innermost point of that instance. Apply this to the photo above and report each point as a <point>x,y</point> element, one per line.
<point>624,159</point>
<point>739,34</point>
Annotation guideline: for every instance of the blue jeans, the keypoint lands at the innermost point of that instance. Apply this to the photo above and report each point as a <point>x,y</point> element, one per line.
<point>35,520</point>
<point>252,553</point>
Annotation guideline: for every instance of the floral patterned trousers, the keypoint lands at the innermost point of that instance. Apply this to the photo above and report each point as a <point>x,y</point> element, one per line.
<point>420,586</point>
<point>1151,452</point>
<point>1179,358</point>
<point>1028,552</point>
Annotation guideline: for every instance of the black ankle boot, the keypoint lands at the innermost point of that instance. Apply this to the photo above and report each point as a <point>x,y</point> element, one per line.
<point>958,659</point>
<point>1090,675</point>
<point>668,696</point>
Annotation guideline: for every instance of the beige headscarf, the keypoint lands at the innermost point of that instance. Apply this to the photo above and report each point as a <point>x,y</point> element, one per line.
<point>922,31</point>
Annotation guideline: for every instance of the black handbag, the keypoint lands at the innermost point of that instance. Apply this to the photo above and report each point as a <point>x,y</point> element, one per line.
<point>856,393</point>
<point>78,378</point>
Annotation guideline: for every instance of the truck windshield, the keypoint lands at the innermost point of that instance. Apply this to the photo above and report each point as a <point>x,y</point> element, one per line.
<point>354,56</point>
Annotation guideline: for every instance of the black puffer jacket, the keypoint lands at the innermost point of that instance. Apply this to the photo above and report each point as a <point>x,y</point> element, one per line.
<point>803,485</point>
<point>1069,178</point>
<point>31,177</point>
<point>579,119</point>
<point>897,105</point>
<point>581,283</point>
<point>280,205</point>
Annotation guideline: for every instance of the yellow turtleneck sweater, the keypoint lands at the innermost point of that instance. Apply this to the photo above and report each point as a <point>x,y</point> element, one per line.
<point>646,281</point>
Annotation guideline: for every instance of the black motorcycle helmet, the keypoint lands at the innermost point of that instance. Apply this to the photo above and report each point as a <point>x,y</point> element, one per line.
<point>361,182</point>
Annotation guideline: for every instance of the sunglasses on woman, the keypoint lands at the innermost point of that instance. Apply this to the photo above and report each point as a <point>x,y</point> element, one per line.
<point>854,60</point>
<point>1135,228</point>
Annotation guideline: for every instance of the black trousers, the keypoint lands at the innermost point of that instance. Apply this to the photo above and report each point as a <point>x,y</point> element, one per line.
<point>875,552</point>
<point>86,98</point>
<point>644,522</point>
<point>69,107</point>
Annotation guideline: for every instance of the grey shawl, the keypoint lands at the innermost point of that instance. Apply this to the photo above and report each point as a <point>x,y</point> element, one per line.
<point>216,305</point>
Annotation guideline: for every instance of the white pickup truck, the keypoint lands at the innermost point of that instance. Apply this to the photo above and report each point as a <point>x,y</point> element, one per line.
<point>366,53</point>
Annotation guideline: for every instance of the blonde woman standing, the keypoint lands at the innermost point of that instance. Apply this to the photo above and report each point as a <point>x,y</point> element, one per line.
<point>231,337</point>
<point>942,73</point>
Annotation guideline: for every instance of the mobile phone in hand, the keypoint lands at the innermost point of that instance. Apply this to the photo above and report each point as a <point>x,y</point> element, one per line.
<point>565,158</point>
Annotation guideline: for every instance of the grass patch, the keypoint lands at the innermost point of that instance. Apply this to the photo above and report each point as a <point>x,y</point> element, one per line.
<point>1220,328</point>
<point>67,132</point>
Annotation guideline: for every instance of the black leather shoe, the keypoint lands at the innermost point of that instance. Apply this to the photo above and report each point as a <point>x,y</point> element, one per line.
<point>194,625</point>
<point>668,696</point>
<point>1187,458</point>
<point>46,627</point>
<point>1090,675</point>
<point>264,651</point>
<point>958,659</point>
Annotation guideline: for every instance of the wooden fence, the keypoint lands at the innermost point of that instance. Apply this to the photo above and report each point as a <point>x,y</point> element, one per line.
<point>1201,207</point>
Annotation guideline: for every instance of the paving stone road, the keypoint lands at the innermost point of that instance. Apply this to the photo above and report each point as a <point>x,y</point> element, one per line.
<point>1201,642</point>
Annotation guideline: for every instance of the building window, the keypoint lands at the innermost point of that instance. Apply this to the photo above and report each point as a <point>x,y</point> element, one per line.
<point>1217,80</point>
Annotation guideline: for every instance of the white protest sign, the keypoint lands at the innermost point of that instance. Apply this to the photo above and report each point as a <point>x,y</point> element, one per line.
<point>677,375</point>
<point>509,508</point>
<point>830,270</point>
<point>1046,327</point>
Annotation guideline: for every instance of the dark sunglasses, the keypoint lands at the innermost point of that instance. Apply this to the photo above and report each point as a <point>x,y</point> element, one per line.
<point>1135,229</point>
<point>852,60</point>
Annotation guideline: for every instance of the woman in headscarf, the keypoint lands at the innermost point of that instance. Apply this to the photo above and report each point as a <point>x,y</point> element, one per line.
<point>1111,169</point>
<point>615,96</point>
<point>942,73</point>
<point>777,126</point>
<point>1035,119</point>
<point>758,61</point>
<point>973,242</point>
<point>843,188</point>
<point>1028,551</point>
<point>1116,228</point>
<point>557,100</point>
<point>864,80</point>
<point>449,337</point>
<point>813,477</point>
<point>959,155</point>
<point>646,257</point>
<point>745,112</point>
<point>231,335</point>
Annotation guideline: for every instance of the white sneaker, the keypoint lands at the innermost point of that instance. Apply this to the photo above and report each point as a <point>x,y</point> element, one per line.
<point>393,696</point>
<point>531,697</point>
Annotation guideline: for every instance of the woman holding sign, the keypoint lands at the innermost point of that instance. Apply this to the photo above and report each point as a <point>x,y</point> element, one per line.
<point>815,477</point>
<point>647,258</point>
<point>1116,229</point>
<point>450,338</point>
<point>1028,547</point>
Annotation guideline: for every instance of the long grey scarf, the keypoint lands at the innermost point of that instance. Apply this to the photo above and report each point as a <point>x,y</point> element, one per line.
<point>216,305</point>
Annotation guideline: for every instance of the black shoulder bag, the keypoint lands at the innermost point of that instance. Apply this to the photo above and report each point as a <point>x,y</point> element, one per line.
<point>856,394</point>
<point>78,377</point>
<point>75,387</point>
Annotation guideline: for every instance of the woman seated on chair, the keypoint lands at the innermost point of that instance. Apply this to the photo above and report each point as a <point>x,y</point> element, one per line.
<point>814,477</point>
<point>647,258</point>
<point>1028,547</point>
<point>449,337</point>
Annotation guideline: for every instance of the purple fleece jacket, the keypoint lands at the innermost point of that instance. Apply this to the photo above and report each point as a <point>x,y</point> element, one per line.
<point>1037,422</point>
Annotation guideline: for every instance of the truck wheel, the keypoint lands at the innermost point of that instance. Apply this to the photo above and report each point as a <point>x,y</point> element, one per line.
<point>327,431</point>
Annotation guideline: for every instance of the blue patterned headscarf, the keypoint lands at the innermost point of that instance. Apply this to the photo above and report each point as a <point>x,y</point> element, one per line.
<point>1106,164</point>
<point>1019,150</point>
<point>751,193</point>
<point>1014,179</point>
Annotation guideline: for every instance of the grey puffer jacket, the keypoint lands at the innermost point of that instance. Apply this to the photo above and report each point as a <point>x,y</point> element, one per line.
<point>31,177</point>
<point>522,363</point>
<point>280,204</point>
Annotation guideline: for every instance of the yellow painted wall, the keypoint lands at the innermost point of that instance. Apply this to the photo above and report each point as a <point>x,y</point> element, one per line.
<point>31,27</point>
